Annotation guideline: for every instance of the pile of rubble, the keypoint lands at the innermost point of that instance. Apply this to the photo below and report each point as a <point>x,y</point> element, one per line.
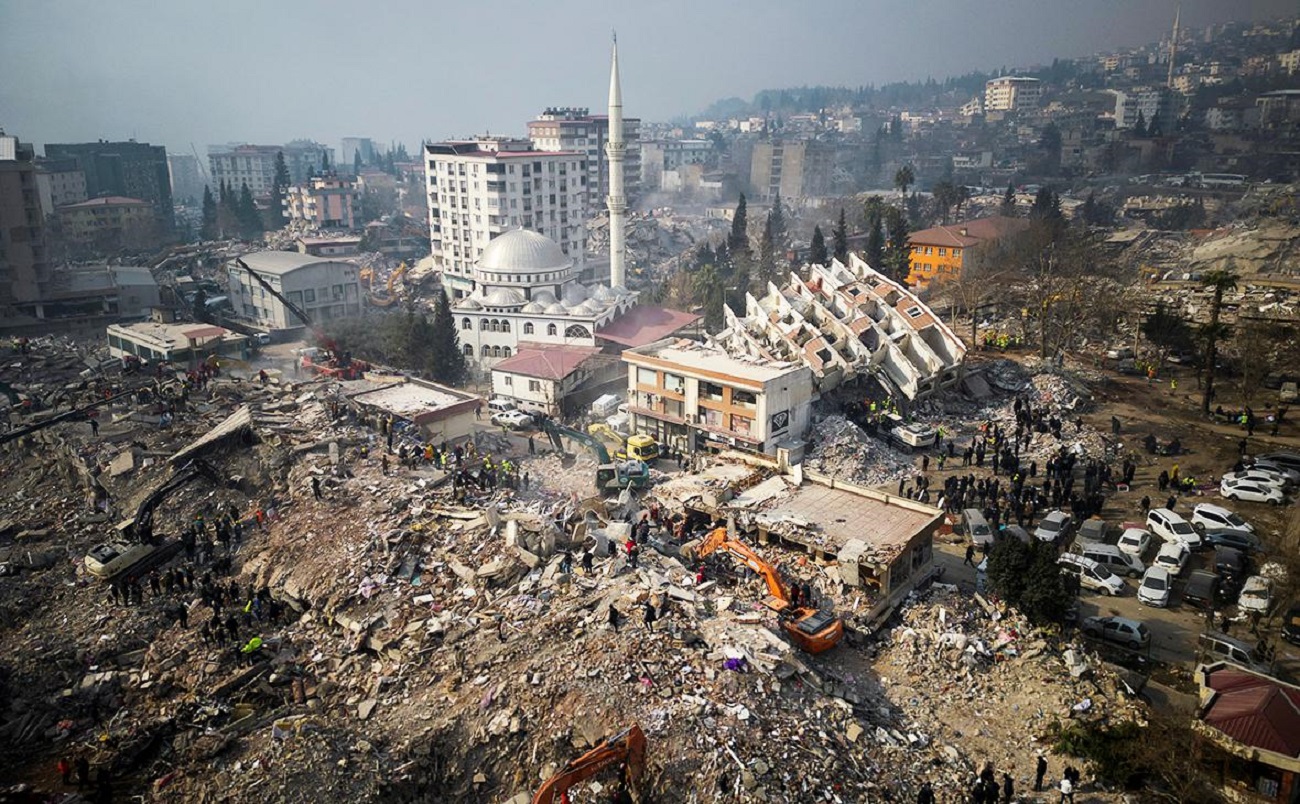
<point>843,450</point>
<point>651,239</point>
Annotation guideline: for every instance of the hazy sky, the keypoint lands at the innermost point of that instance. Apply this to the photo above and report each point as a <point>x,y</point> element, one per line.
<point>180,71</point>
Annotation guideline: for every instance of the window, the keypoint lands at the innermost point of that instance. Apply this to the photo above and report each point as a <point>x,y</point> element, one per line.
<point>943,252</point>
<point>710,417</point>
<point>483,325</point>
<point>309,296</point>
<point>928,251</point>
<point>674,383</point>
<point>496,325</point>
<point>466,324</point>
<point>550,330</point>
<point>746,399</point>
<point>528,328</point>
<point>645,376</point>
<point>956,252</point>
<point>505,326</point>
<point>508,380</point>
<point>485,351</point>
<point>496,351</point>
<point>914,312</point>
<point>711,391</point>
<point>468,350</point>
<point>741,424</point>
<point>575,331</point>
<point>505,351</point>
<point>535,386</point>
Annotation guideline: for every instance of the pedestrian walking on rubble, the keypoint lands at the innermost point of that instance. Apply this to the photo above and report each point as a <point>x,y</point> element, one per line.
<point>1008,788</point>
<point>970,556</point>
<point>649,610</point>
<point>315,487</point>
<point>1114,425</point>
<point>1039,773</point>
<point>83,771</point>
<point>926,794</point>
<point>1067,791</point>
<point>65,770</point>
<point>613,618</point>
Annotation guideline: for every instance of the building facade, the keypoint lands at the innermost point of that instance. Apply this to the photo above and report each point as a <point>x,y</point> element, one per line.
<point>1151,104</point>
<point>24,261</point>
<point>254,165</point>
<point>1012,93</point>
<point>323,288</point>
<point>481,189</point>
<point>353,146</point>
<point>939,253</point>
<point>577,130</point>
<point>186,177</point>
<point>325,202</point>
<point>110,222</point>
<point>544,377</point>
<point>59,182</point>
<point>693,397</point>
<point>124,169</point>
<point>186,344</point>
<point>797,169</point>
<point>665,156</point>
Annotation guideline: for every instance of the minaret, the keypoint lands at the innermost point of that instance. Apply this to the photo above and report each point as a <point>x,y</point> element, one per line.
<point>615,201</point>
<point>1173,47</point>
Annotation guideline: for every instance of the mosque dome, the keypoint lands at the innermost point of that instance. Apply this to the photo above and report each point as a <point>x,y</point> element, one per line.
<point>587,308</point>
<point>557,309</point>
<point>534,307</point>
<point>522,257</point>
<point>574,294</point>
<point>504,297</point>
<point>469,303</point>
<point>544,297</point>
<point>601,293</point>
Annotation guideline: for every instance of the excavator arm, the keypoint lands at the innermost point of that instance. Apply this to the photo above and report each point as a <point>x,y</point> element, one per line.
<point>627,747</point>
<point>718,539</point>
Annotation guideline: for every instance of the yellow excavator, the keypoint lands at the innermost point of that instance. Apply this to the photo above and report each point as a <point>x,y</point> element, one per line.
<point>389,298</point>
<point>640,446</point>
<point>812,629</point>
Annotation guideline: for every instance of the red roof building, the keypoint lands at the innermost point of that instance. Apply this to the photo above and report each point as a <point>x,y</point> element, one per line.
<point>939,253</point>
<point>556,379</point>
<point>1249,728</point>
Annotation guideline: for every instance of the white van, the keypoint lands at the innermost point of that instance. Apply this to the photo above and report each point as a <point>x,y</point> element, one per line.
<point>1091,575</point>
<point>1111,557</point>
<point>977,527</point>
<point>1217,647</point>
<point>499,405</point>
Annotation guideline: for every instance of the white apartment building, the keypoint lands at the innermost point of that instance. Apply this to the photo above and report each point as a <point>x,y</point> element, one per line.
<point>321,287</point>
<point>59,182</point>
<point>576,129</point>
<point>479,189</point>
<point>1012,93</point>
<point>254,165</point>
<point>1153,103</point>
<point>693,396</point>
<point>664,156</point>
<point>1289,62</point>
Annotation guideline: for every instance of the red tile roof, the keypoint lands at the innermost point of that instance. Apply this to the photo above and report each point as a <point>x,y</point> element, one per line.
<point>969,233</point>
<point>1255,710</point>
<point>642,325</point>
<point>545,361</point>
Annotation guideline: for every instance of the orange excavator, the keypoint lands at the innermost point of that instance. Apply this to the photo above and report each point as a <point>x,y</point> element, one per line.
<point>813,630</point>
<point>627,747</point>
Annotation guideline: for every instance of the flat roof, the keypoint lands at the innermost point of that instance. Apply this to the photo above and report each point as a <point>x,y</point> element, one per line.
<point>691,355</point>
<point>174,335</point>
<point>827,517</point>
<point>279,263</point>
<point>417,400</point>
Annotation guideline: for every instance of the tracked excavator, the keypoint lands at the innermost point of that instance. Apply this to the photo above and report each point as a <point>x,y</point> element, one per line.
<point>627,748</point>
<point>813,630</point>
<point>611,475</point>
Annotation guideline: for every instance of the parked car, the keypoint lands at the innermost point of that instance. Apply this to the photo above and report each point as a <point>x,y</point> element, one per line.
<point>977,527</point>
<point>1256,595</point>
<point>1092,530</point>
<point>1134,541</point>
<point>1291,625</point>
<point>1209,515</point>
<point>1291,476</point>
<point>1203,590</point>
<point>1290,460</point>
<point>1090,574</point>
<point>500,405</point>
<point>1110,557</point>
<point>1237,539</point>
<point>1121,630</point>
<point>1171,527</point>
<point>1216,647</point>
<point>1260,477</point>
<point>1054,525</point>
<point>1173,557</point>
<point>1015,532</point>
<point>1250,491</point>
<point>1153,590</point>
<point>513,419</point>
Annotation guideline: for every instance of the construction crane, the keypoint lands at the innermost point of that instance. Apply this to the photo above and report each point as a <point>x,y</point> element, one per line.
<point>337,364</point>
<point>627,748</point>
<point>611,475</point>
<point>812,629</point>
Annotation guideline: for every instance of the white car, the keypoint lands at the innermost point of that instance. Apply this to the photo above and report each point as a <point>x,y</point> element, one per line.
<point>513,419</point>
<point>1154,588</point>
<point>1290,460</point>
<point>1090,574</point>
<point>1172,557</point>
<point>1134,541</point>
<point>1172,528</point>
<point>1215,517</point>
<point>1248,491</point>
<point>1261,477</point>
<point>1256,595</point>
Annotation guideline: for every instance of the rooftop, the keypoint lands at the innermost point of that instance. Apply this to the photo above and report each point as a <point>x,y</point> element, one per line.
<point>696,357</point>
<point>970,233</point>
<point>1252,709</point>
<point>108,201</point>
<point>417,400</point>
<point>644,325</point>
<point>279,263</point>
<point>174,335</point>
<point>546,362</point>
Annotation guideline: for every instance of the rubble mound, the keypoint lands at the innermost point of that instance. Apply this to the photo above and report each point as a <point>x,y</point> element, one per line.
<point>843,450</point>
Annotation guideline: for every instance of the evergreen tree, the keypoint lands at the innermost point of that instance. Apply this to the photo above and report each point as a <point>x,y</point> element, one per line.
<point>1009,201</point>
<point>777,220</point>
<point>840,237</point>
<point>227,212</point>
<point>279,187</point>
<point>898,252</point>
<point>875,255</point>
<point>250,222</point>
<point>1156,126</point>
<point>709,292</point>
<point>209,228</point>
<point>324,163</point>
<point>447,364</point>
<point>767,270</point>
<point>1140,127</point>
<point>738,242</point>
<point>817,250</point>
<point>356,162</point>
<point>904,178</point>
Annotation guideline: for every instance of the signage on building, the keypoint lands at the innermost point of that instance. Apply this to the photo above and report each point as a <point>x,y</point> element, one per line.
<point>779,423</point>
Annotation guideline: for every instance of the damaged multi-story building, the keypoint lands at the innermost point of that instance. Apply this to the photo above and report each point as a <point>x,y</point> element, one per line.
<point>846,322</point>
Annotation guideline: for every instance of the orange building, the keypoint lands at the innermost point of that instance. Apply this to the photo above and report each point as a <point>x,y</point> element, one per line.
<point>939,253</point>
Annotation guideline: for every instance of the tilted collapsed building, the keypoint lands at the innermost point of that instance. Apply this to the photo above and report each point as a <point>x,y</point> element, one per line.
<point>845,322</point>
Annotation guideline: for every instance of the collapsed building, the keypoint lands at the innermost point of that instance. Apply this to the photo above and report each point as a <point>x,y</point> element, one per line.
<point>846,322</point>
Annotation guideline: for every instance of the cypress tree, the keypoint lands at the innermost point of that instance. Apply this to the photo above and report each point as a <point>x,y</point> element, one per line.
<point>841,238</point>
<point>738,242</point>
<point>449,361</point>
<point>817,254</point>
<point>767,271</point>
<point>209,228</point>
